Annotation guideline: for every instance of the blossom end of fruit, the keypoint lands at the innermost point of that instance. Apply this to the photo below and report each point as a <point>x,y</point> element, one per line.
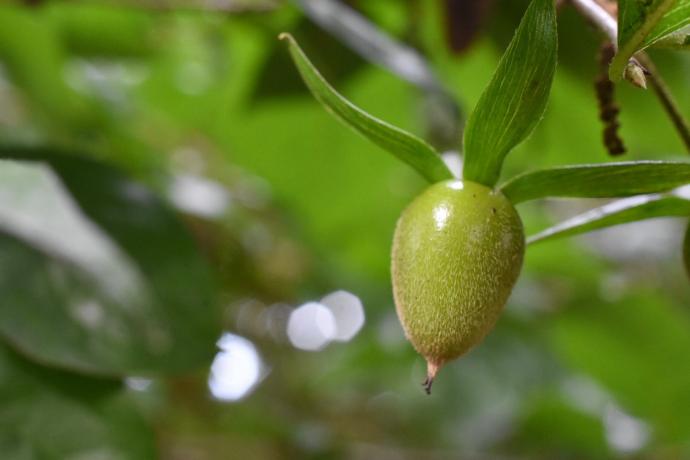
<point>432,370</point>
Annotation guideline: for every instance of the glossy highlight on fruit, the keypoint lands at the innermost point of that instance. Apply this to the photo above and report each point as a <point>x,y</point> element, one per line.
<point>457,252</point>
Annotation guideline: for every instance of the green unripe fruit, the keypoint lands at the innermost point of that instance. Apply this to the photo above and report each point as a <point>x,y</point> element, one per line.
<point>457,252</point>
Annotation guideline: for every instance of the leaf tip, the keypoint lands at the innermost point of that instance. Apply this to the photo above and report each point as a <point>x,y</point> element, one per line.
<point>284,36</point>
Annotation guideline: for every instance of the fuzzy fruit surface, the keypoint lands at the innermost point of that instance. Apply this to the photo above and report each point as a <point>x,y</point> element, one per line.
<point>457,252</point>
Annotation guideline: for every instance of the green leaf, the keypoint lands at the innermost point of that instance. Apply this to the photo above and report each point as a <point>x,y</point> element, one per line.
<point>678,40</point>
<point>98,275</point>
<point>673,25</point>
<point>405,146</point>
<point>598,180</point>
<point>636,20</point>
<point>102,30</point>
<point>641,207</point>
<point>52,414</point>
<point>39,70</point>
<point>515,100</point>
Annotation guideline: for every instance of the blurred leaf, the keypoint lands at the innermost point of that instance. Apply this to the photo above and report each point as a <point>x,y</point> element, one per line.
<point>641,23</point>
<point>619,212</point>
<point>102,30</point>
<point>405,146</point>
<point>52,414</point>
<point>346,216</point>
<point>34,59</point>
<point>686,250</point>
<point>636,348</point>
<point>515,100</point>
<point>598,180</point>
<point>129,294</point>
<point>550,424</point>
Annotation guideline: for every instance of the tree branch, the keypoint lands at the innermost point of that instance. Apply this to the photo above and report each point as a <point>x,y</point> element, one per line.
<point>666,98</point>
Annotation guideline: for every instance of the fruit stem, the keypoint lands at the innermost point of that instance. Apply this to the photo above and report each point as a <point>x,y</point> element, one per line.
<point>431,371</point>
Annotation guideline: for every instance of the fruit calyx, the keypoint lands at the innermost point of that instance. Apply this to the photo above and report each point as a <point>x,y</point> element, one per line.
<point>431,371</point>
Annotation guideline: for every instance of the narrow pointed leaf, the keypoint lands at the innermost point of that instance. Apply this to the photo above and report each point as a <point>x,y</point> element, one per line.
<point>516,97</point>
<point>410,149</point>
<point>598,180</point>
<point>632,209</point>
<point>637,22</point>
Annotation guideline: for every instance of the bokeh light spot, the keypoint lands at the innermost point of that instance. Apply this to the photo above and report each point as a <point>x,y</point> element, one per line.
<point>236,369</point>
<point>200,196</point>
<point>311,327</point>
<point>348,313</point>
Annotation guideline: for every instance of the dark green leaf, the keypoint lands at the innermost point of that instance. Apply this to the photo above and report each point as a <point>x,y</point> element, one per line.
<point>598,180</point>
<point>631,209</point>
<point>129,294</point>
<point>405,146</point>
<point>515,100</point>
<point>636,19</point>
<point>51,414</point>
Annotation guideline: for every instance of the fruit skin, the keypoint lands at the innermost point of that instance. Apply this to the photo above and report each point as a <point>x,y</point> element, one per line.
<point>457,253</point>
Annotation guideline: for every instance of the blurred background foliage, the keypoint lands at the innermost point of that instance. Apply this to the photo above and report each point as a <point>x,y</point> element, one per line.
<point>194,255</point>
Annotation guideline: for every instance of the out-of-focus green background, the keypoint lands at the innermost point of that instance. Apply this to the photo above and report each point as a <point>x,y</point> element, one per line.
<point>194,263</point>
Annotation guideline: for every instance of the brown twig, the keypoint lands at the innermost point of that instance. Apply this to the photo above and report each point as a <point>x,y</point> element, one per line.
<point>666,98</point>
<point>608,109</point>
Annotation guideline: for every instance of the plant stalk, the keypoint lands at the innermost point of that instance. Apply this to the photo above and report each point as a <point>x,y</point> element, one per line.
<point>666,98</point>
<point>599,17</point>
